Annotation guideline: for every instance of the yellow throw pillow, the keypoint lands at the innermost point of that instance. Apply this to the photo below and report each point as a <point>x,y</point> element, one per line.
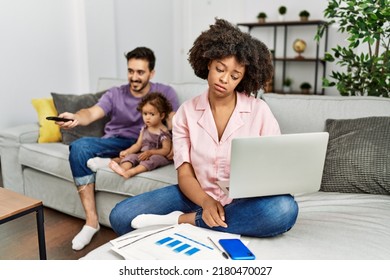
<point>48,130</point>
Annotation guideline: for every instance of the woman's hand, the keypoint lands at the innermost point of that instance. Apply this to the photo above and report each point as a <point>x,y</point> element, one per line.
<point>213,213</point>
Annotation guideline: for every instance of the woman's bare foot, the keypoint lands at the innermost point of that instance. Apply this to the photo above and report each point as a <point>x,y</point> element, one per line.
<point>117,168</point>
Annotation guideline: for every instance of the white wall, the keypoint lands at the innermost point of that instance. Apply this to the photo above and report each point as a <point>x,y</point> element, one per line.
<point>193,17</point>
<point>100,34</point>
<point>65,45</point>
<point>38,53</point>
<point>145,23</point>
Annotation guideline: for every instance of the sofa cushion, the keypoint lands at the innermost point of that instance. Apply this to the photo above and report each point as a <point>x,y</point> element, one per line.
<point>108,181</point>
<point>72,103</point>
<point>104,84</point>
<point>288,109</point>
<point>186,91</point>
<point>358,156</point>
<point>51,158</point>
<point>48,130</point>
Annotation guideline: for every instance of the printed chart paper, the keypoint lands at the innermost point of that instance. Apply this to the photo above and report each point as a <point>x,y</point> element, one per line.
<point>179,242</point>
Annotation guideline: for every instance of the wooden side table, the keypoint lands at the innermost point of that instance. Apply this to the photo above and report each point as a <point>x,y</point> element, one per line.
<point>14,205</point>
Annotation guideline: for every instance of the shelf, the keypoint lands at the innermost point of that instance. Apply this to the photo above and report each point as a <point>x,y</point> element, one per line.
<point>298,59</point>
<point>282,59</point>
<point>281,23</point>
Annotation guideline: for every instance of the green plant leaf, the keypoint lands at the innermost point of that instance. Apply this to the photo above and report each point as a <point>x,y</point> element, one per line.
<point>364,67</point>
<point>329,57</point>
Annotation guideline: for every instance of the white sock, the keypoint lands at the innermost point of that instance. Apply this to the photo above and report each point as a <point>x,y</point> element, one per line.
<point>97,162</point>
<point>145,220</point>
<point>83,238</point>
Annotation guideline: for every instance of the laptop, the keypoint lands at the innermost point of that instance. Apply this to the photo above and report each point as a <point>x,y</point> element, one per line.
<point>273,165</point>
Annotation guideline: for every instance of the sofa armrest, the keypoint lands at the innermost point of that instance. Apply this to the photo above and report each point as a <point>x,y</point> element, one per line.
<point>20,134</point>
<point>10,141</point>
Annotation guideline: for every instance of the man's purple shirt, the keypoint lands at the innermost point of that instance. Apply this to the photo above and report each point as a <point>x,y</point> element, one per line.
<point>121,106</point>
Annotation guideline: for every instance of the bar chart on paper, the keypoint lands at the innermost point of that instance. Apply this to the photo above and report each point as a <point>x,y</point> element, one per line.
<point>180,246</point>
<point>180,242</point>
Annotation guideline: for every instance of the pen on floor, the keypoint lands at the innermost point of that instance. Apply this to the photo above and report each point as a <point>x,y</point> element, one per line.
<point>215,245</point>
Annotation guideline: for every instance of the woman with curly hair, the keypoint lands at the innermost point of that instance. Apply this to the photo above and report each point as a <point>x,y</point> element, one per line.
<point>236,66</point>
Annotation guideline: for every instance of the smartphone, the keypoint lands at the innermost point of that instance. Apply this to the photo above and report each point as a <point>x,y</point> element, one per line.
<point>58,119</point>
<point>236,249</point>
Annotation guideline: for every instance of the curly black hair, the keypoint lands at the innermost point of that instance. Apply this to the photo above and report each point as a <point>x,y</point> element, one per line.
<point>223,39</point>
<point>157,100</point>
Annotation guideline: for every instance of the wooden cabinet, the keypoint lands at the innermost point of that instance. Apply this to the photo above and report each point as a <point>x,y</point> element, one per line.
<point>280,57</point>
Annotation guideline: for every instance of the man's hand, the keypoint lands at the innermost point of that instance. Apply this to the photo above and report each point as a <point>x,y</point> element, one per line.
<point>82,117</point>
<point>68,124</point>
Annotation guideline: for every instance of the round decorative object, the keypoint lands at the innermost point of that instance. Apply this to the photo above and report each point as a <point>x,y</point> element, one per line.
<point>299,46</point>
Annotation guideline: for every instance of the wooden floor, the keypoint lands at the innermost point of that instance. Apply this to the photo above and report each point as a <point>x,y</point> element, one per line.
<point>19,238</point>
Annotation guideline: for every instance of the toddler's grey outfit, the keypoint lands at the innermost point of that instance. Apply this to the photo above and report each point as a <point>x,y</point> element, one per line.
<point>150,141</point>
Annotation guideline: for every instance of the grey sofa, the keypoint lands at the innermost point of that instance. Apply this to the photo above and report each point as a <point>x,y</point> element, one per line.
<point>330,225</point>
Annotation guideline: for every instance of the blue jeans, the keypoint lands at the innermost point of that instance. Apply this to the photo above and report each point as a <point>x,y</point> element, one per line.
<point>82,149</point>
<point>258,217</point>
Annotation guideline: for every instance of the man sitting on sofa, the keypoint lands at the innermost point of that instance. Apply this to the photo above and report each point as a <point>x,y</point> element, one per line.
<point>120,132</point>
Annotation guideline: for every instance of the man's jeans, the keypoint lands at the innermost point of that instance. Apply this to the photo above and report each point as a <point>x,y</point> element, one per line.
<point>259,216</point>
<point>82,149</point>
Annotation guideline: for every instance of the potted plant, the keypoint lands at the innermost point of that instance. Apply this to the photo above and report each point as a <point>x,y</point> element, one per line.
<point>304,15</point>
<point>365,63</point>
<point>261,17</point>
<point>305,87</point>
<point>287,85</point>
<point>282,11</point>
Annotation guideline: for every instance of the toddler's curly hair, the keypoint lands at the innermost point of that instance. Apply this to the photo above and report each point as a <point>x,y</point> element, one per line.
<point>158,100</point>
<point>224,40</point>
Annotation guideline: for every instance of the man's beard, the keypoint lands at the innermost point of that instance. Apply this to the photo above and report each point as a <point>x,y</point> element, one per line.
<point>137,86</point>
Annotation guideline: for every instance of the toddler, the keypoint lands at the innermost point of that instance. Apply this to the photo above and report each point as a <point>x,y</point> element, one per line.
<point>154,142</point>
